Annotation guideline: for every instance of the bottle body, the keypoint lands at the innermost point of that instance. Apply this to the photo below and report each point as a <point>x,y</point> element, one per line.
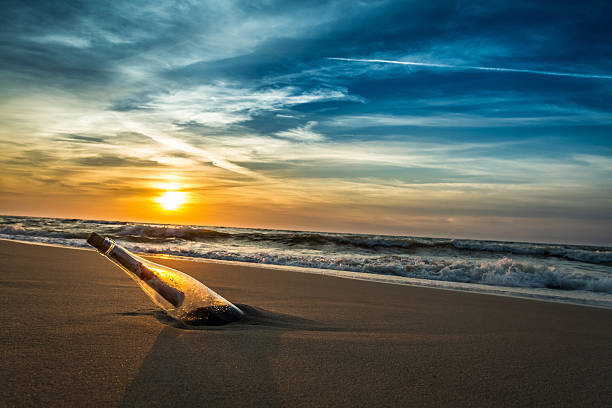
<point>181,296</point>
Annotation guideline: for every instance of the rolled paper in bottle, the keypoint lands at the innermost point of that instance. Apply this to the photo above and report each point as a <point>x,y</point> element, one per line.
<point>172,295</point>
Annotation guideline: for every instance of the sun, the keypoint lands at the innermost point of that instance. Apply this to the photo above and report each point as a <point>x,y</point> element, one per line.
<point>172,200</point>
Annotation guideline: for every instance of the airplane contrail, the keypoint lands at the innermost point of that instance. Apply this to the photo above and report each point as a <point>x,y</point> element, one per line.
<point>464,67</point>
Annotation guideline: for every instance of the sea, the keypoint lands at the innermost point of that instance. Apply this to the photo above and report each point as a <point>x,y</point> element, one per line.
<point>576,274</point>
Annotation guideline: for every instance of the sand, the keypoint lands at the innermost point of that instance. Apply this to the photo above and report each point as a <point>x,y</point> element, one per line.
<point>76,331</point>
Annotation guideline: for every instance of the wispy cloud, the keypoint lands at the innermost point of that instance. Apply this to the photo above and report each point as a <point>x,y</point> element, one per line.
<point>478,68</point>
<point>222,104</point>
<point>67,40</point>
<point>175,143</point>
<point>302,133</point>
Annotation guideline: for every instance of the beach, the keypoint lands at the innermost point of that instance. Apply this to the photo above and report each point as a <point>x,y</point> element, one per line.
<point>78,332</point>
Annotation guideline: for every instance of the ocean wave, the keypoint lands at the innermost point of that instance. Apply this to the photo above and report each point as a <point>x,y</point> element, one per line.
<point>278,237</point>
<point>161,231</point>
<point>368,242</point>
<point>591,255</point>
<point>18,230</point>
<point>502,272</point>
<point>322,239</point>
<point>103,222</point>
<point>296,240</point>
<point>407,244</point>
<point>374,243</point>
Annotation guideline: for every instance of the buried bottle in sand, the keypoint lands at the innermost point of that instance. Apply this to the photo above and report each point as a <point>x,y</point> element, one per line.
<point>180,295</point>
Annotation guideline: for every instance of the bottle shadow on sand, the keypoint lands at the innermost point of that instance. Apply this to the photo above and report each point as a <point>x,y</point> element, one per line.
<point>233,364</point>
<point>253,316</point>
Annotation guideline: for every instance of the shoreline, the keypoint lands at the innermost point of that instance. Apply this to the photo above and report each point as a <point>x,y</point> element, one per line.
<point>79,332</point>
<point>535,294</point>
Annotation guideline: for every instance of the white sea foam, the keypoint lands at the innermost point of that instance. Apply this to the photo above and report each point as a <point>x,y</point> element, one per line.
<point>561,251</point>
<point>503,272</point>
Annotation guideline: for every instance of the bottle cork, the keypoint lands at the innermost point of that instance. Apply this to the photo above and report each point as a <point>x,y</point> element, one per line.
<point>97,241</point>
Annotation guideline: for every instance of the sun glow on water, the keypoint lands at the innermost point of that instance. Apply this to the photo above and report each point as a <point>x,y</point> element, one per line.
<point>172,200</point>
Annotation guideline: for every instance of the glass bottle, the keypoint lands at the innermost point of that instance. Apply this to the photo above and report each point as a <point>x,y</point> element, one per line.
<point>181,296</point>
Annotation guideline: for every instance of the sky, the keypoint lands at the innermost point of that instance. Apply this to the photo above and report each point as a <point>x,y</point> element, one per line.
<point>488,120</point>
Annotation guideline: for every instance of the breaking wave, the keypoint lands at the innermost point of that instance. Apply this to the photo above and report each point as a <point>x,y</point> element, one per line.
<point>503,272</point>
<point>18,231</point>
<point>159,231</point>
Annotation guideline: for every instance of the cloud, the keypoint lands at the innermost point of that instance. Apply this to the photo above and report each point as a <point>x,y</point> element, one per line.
<point>114,161</point>
<point>30,157</point>
<point>302,133</point>
<point>67,40</point>
<point>221,104</point>
<point>85,139</point>
<point>177,144</point>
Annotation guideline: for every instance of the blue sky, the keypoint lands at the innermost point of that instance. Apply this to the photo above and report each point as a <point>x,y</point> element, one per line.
<point>499,127</point>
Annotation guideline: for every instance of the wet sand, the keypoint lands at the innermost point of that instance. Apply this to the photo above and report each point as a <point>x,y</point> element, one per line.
<point>76,331</point>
